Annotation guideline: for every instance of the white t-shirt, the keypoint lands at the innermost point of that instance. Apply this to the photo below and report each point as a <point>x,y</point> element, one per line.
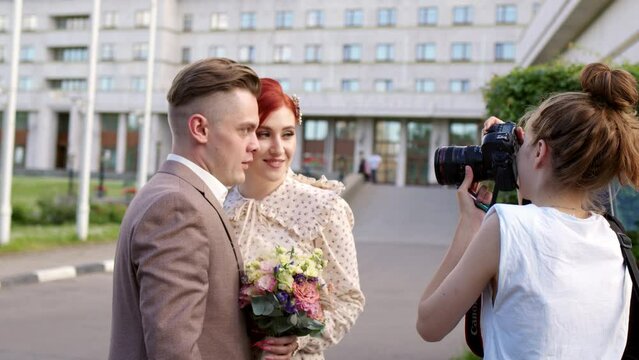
<point>563,290</point>
<point>374,161</point>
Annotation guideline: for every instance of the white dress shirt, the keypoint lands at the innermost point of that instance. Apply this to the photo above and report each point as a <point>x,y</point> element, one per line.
<point>217,188</point>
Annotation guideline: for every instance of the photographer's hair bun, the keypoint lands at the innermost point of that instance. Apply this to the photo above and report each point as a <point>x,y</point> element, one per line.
<point>615,88</point>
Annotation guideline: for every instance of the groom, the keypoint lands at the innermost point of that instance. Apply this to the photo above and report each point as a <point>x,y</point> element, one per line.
<point>176,276</point>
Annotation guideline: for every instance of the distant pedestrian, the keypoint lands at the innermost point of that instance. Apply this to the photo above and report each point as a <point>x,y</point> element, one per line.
<point>363,167</point>
<point>374,161</point>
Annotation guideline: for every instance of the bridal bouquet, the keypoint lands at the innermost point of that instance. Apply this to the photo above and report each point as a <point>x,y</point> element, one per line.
<point>283,290</point>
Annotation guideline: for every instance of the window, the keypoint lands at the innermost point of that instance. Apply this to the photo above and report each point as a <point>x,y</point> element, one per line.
<point>29,23</point>
<point>71,22</point>
<point>535,7</point>
<point>142,18</point>
<point>140,51</point>
<point>217,51</point>
<point>353,18</point>
<point>27,53</point>
<point>247,21</point>
<point>385,53</point>
<point>386,17</point>
<point>187,23</point>
<point>352,53</point>
<point>282,54</point>
<point>460,85</point>
<point>463,133</point>
<point>312,85</point>
<point>284,20</point>
<point>247,54</point>
<point>505,51</point>
<point>315,19</point>
<point>424,85</point>
<point>68,84</point>
<point>25,83</point>
<point>72,54</point>
<point>219,21</point>
<point>427,16</point>
<point>383,85</point>
<point>138,83</point>
<point>312,53</point>
<point>506,14</point>
<point>285,84</point>
<point>105,83</point>
<point>186,55</point>
<point>462,15</point>
<point>460,51</point>
<point>425,52</point>
<point>350,85</point>
<point>3,23</point>
<point>107,52</point>
<point>110,20</point>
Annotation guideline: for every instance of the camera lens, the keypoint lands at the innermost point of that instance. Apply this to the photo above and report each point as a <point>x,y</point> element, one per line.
<point>450,162</point>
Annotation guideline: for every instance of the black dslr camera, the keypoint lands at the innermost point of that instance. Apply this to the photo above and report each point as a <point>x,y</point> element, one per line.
<point>493,160</point>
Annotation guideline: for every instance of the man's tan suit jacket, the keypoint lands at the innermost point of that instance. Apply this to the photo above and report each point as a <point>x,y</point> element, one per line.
<point>176,276</point>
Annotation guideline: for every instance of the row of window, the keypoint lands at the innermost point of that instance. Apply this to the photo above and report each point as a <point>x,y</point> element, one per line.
<point>386,17</point>
<point>142,18</point>
<point>424,52</point>
<point>138,84</point>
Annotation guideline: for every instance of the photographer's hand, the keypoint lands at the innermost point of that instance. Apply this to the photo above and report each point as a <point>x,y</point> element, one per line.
<point>494,120</point>
<point>467,193</point>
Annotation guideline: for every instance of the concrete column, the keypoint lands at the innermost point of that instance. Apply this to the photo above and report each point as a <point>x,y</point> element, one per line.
<point>31,153</point>
<point>153,139</point>
<point>400,176</point>
<point>439,136</point>
<point>120,144</point>
<point>296,164</point>
<point>329,148</point>
<point>96,148</point>
<point>75,133</point>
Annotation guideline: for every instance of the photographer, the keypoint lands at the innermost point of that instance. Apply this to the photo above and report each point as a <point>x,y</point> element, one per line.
<point>551,274</point>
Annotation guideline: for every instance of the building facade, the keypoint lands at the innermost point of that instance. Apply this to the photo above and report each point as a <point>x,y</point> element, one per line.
<point>394,77</point>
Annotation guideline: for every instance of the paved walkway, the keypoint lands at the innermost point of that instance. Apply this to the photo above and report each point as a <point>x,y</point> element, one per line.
<point>401,236</point>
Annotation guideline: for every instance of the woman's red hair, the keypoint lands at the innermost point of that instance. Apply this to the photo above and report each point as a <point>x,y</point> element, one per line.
<point>271,98</point>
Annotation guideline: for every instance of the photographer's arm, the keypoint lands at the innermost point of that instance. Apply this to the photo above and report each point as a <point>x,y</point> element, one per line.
<point>464,272</point>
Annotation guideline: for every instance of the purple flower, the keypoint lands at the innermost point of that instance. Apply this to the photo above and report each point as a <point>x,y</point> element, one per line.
<point>299,278</point>
<point>282,297</point>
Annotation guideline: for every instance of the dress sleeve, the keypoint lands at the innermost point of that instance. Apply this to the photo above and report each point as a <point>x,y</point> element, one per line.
<point>344,300</point>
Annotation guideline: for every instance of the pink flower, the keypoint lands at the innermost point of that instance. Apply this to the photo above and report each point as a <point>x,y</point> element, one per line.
<point>266,283</point>
<point>246,292</point>
<point>307,299</point>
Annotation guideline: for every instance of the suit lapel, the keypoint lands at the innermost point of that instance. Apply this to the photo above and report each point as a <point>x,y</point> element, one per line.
<point>183,172</point>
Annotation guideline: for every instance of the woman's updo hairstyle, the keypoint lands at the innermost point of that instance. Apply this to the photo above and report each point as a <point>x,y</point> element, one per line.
<point>594,134</point>
<point>272,97</point>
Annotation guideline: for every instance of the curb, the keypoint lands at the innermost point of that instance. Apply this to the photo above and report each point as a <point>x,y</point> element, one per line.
<point>57,273</point>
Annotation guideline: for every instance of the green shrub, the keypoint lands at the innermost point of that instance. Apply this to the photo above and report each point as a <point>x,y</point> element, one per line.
<point>62,210</point>
<point>56,211</point>
<point>106,213</point>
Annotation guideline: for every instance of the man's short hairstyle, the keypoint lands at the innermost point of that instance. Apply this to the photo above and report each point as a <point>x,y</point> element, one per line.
<point>209,76</point>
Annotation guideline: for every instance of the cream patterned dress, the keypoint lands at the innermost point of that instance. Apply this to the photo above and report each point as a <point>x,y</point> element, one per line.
<point>306,213</point>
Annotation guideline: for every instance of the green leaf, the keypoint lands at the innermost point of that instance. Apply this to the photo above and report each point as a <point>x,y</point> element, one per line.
<point>293,319</point>
<point>262,305</point>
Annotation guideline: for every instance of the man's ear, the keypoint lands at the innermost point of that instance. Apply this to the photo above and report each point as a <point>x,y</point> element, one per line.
<point>199,128</point>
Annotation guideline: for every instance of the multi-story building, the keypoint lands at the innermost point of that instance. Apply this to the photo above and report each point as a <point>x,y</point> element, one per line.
<point>393,77</point>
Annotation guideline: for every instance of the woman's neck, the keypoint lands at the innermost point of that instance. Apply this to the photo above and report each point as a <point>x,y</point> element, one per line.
<point>258,189</point>
<point>569,203</point>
